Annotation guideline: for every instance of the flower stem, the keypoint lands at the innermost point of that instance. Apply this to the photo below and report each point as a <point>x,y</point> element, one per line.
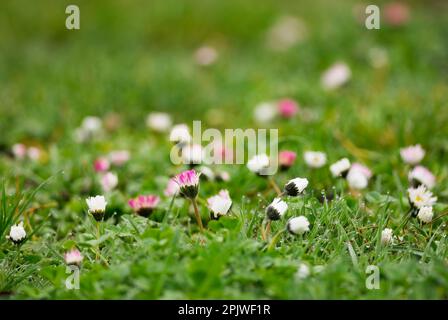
<point>197,215</point>
<point>98,239</point>
<point>267,231</point>
<point>275,186</point>
<point>275,240</point>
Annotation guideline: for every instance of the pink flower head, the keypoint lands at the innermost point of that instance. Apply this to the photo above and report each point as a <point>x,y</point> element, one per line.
<point>421,175</point>
<point>144,205</point>
<point>288,108</point>
<point>73,257</point>
<point>19,150</point>
<point>412,154</point>
<point>172,188</point>
<point>286,158</point>
<point>119,157</point>
<point>188,182</point>
<point>396,13</point>
<point>101,164</point>
<point>362,169</point>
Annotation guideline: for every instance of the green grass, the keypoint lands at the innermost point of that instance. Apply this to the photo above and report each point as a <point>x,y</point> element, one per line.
<point>130,58</point>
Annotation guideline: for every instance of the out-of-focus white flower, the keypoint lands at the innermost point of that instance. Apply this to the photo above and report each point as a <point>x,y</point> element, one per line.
<point>17,233</point>
<point>298,225</point>
<point>73,257</point>
<point>412,154</point>
<point>386,236</point>
<point>205,55</point>
<point>340,168</point>
<point>109,181</point>
<point>223,176</point>
<point>425,214</point>
<point>119,157</point>
<point>180,134</point>
<point>336,76</point>
<point>19,151</point>
<point>294,187</point>
<point>276,209</point>
<point>303,271</point>
<point>220,204</point>
<point>285,33</point>
<point>315,159</point>
<point>421,197</point>
<point>92,124</point>
<point>265,112</point>
<point>206,172</point>
<point>34,153</point>
<point>159,121</point>
<point>357,180</point>
<point>97,206</point>
<point>258,163</point>
<point>422,175</point>
<point>192,154</point>
<point>172,188</point>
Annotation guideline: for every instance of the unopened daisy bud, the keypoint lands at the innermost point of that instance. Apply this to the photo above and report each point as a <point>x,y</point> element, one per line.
<point>296,186</point>
<point>412,154</point>
<point>97,207</point>
<point>144,205</point>
<point>386,236</point>
<point>101,164</point>
<point>17,233</point>
<point>119,157</point>
<point>421,197</point>
<point>192,154</point>
<point>159,121</point>
<point>219,204</point>
<point>172,188</point>
<point>73,257</point>
<point>315,159</point>
<point>265,112</point>
<point>258,163</point>
<point>19,151</point>
<point>109,181</point>
<point>287,108</point>
<point>180,134</point>
<point>340,168</point>
<point>421,175</point>
<point>425,214</point>
<point>286,159</point>
<point>298,225</point>
<point>336,76</point>
<point>276,209</point>
<point>188,182</point>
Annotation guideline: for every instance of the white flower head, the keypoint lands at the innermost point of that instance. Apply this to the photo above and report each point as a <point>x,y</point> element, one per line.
<point>303,271</point>
<point>422,175</point>
<point>220,204</point>
<point>92,124</point>
<point>340,167</point>
<point>265,112</point>
<point>205,55</point>
<point>206,173</point>
<point>276,209</point>
<point>17,233</point>
<point>258,163</point>
<point>421,197</point>
<point>34,153</point>
<point>19,150</point>
<point>425,214</point>
<point>180,134</point>
<point>73,257</point>
<point>412,154</point>
<point>192,154</point>
<point>296,186</point>
<point>386,236</point>
<point>298,225</point>
<point>357,180</point>
<point>159,121</point>
<point>97,206</point>
<point>109,181</point>
<point>336,76</point>
<point>315,159</point>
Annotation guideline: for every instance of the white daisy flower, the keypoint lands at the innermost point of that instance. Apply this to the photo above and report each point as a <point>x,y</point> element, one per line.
<point>298,225</point>
<point>109,181</point>
<point>412,154</point>
<point>265,112</point>
<point>19,150</point>
<point>97,206</point>
<point>386,236</point>
<point>296,186</point>
<point>220,204</point>
<point>17,233</point>
<point>340,168</point>
<point>425,214</point>
<point>421,197</point>
<point>159,121</point>
<point>303,271</point>
<point>180,134</point>
<point>205,55</point>
<point>315,159</point>
<point>276,209</point>
<point>357,180</point>
<point>336,76</point>
<point>34,153</point>
<point>258,163</point>
<point>73,257</point>
<point>422,175</point>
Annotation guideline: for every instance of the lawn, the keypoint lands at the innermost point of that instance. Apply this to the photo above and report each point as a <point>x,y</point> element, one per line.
<point>217,62</point>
